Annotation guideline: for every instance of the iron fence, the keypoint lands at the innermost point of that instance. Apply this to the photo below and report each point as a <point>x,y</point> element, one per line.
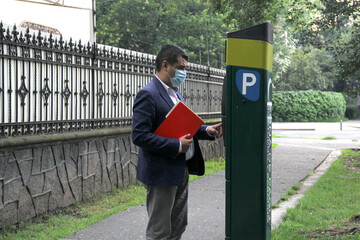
<point>49,85</point>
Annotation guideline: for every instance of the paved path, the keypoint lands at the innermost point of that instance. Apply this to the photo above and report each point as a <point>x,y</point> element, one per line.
<point>293,159</point>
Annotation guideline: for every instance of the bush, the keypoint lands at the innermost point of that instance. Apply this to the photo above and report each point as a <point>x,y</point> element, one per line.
<point>352,111</point>
<point>307,106</point>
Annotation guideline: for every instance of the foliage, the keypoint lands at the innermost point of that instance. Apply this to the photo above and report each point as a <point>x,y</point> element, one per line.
<point>306,106</point>
<point>348,54</point>
<point>103,7</point>
<point>145,26</point>
<point>335,27</point>
<point>284,48</point>
<point>301,14</point>
<point>313,70</point>
<point>331,18</point>
<point>352,111</point>
<point>245,13</point>
<point>315,40</point>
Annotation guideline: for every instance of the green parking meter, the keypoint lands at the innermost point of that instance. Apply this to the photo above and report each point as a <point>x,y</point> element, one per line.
<point>248,126</point>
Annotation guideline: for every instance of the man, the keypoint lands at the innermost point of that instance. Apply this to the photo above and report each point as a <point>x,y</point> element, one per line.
<point>165,163</point>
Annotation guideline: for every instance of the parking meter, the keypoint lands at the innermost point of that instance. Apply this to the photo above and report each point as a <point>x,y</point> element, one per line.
<point>248,127</point>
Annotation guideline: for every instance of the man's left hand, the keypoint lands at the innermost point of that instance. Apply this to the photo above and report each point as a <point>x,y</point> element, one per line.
<point>215,130</point>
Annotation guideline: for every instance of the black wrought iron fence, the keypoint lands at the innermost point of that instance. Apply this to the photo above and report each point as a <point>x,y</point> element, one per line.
<point>49,85</point>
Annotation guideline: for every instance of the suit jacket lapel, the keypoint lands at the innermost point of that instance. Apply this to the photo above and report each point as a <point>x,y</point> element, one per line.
<point>163,92</point>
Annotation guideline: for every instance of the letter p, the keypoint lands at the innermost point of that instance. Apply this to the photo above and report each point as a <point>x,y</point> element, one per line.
<point>246,83</point>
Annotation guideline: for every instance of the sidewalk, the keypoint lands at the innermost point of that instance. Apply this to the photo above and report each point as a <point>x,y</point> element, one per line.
<point>293,159</point>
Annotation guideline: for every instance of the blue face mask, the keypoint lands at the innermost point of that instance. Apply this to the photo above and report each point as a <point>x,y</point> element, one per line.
<point>179,77</point>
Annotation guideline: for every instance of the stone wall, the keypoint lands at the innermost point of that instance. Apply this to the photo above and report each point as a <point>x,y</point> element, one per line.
<point>39,177</point>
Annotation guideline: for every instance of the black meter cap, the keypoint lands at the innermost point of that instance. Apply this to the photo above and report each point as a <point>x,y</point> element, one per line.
<point>262,32</point>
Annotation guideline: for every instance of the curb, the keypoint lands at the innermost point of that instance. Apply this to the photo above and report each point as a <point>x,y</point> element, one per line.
<point>278,213</point>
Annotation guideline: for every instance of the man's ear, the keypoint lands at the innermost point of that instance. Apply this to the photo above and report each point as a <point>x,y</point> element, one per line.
<point>164,64</point>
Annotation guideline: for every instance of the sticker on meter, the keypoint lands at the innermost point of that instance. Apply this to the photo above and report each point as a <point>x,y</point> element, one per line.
<point>248,83</point>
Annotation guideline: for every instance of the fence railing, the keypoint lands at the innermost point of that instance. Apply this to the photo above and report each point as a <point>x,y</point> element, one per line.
<point>48,85</point>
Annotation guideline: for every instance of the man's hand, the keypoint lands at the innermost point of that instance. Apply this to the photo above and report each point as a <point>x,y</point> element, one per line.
<point>185,142</point>
<point>215,130</point>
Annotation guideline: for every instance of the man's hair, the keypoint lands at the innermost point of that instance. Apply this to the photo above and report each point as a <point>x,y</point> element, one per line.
<point>170,53</point>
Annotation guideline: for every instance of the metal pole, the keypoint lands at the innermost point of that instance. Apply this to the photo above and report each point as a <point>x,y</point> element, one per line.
<point>200,56</point>
<point>207,43</point>
<point>340,125</point>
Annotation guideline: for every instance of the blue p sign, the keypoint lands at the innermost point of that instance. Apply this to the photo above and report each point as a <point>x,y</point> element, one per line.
<point>248,83</point>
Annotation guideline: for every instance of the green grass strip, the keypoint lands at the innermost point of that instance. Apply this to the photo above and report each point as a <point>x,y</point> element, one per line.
<point>344,119</point>
<point>278,136</point>
<point>324,138</point>
<point>329,138</point>
<point>331,208</point>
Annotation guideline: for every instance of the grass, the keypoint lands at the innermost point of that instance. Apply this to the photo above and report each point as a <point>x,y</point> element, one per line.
<point>63,223</point>
<point>329,138</point>
<point>292,191</point>
<point>331,208</point>
<point>287,195</point>
<point>284,197</point>
<point>278,136</point>
<point>324,138</point>
<point>344,119</point>
<point>297,186</point>
<point>212,166</point>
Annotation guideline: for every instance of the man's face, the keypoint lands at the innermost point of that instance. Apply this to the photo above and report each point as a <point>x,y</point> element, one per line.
<point>180,65</point>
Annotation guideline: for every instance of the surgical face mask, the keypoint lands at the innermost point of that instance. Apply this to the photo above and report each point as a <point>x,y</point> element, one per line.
<point>179,77</point>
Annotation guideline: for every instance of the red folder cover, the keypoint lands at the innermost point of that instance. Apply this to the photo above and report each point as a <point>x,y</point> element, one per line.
<point>179,121</point>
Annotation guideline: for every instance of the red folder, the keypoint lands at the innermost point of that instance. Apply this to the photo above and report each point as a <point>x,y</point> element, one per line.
<point>179,121</point>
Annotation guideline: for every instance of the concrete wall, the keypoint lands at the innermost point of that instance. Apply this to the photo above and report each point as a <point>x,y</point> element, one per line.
<point>40,174</point>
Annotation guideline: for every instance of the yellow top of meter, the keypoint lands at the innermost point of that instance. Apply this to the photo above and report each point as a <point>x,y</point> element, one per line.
<point>249,53</point>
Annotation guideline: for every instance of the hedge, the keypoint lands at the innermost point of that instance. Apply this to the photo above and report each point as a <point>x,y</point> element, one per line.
<point>352,111</point>
<point>307,106</point>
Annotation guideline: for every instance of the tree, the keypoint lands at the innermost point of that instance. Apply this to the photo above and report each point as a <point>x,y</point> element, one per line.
<point>338,31</point>
<point>103,7</point>
<point>147,25</point>
<point>284,48</point>
<point>348,54</point>
<point>200,26</point>
<point>330,19</point>
<point>314,70</point>
<point>244,13</point>
<point>330,25</point>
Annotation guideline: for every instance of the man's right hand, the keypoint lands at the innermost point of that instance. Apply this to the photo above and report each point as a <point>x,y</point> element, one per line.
<point>185,142</point>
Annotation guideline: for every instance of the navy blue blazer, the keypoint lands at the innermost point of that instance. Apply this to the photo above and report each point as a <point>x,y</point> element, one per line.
<point>158,161</point>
